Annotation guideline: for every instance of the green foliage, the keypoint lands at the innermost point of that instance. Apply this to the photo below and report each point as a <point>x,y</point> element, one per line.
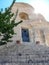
<point>7,25</point>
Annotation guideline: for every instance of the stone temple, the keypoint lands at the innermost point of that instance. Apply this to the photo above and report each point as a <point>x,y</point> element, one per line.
<point>30,44</point>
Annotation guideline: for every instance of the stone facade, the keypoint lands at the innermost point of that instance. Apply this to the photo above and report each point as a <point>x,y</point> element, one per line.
<point>36,24</point>
<point>34,50</point>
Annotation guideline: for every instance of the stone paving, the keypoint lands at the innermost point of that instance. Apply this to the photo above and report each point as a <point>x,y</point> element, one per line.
<point>27,56</point>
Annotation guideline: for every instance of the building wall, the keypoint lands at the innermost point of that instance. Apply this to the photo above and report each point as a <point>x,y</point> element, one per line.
<point>36,24</point>
<point>34,52</point>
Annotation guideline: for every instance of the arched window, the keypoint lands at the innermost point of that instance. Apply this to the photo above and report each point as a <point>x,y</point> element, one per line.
<point>23,16</point>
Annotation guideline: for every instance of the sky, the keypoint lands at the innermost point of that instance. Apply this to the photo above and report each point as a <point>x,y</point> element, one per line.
<point>41,6</point>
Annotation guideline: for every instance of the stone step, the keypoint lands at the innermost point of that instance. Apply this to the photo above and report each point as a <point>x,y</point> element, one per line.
<point>24,55</point>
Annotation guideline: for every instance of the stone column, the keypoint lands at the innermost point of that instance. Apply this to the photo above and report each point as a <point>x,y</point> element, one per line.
<point>47,38</point>
<point>39,36</point>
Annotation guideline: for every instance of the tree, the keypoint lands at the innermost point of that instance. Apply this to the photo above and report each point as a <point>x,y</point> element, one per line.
<point>7,25</point>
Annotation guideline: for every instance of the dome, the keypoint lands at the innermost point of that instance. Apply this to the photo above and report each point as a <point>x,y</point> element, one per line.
<point>24,5</point>
<point>24,9</point>
<point>26,12</point>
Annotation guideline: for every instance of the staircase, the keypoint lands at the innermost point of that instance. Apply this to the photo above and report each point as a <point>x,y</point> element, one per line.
<point>24,55</point>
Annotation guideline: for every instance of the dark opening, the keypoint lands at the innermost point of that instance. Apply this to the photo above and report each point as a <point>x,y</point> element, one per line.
<point>25,35</point>
<point>37,42</point>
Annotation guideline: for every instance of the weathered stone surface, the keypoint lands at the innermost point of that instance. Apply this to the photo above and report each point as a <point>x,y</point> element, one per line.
<point>35,52</point>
